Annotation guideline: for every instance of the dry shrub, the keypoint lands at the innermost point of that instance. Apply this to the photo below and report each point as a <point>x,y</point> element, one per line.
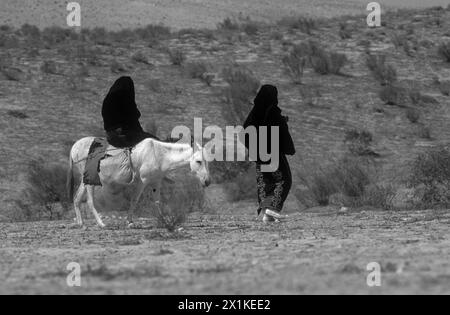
<point>444,51</point>
<point>44,196</point>
<point>304,24</point>
<point>359,142</point>
<point>379,196</point>
<point>325,62</point>
<point>242,87</point>
<point>413,115</point>
<point>347,176</point>
<point>140,57</point>
<point>393,94</point>
<point>430,175</point>
<point>49,67</point>
<point>199,70</point>
<point>176,56</point>
<point>294,64</point>
<point>178,199</point>
<point>242,187</point>
<point>383,73</point>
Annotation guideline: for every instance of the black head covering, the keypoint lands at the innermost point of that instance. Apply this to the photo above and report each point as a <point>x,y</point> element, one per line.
<point>266,99</point>
<point>119,107</point>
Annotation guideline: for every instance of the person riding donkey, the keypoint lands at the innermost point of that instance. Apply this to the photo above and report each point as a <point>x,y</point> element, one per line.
<point>123,129</point>
<point>121,115</point>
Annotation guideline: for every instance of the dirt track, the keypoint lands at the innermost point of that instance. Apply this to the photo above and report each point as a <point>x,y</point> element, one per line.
<point>319,252</point>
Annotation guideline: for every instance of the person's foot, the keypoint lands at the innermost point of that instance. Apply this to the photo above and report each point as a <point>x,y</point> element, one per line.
<point>268,219</point>
<point>275,215</point>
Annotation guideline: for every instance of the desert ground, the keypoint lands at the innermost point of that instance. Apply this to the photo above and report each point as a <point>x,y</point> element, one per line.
<point>315,252</point>
<point>52,83</point>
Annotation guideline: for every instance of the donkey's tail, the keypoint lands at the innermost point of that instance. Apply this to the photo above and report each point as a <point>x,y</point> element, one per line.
<point>70,179</point>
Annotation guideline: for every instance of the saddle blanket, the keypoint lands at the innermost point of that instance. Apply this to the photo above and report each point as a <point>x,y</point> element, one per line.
<point>113,163</point>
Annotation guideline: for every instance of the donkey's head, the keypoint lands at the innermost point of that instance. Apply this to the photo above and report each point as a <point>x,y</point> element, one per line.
<point>199,165</point>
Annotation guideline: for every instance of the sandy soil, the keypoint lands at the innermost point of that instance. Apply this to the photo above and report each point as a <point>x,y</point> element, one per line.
<point>117,14</point>
<point>315,252</point>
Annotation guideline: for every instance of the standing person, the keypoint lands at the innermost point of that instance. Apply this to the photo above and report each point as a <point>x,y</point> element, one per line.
<point>273,187</point>
<point>121,115</point>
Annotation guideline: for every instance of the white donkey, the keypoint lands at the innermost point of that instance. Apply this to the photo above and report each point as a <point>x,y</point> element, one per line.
<point>151,160</point>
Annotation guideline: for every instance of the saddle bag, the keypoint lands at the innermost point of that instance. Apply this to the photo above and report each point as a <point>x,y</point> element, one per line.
<point>117,168</point>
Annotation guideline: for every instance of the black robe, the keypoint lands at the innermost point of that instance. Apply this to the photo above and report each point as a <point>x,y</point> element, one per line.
<point>267,113</point>
<point>119,107</point>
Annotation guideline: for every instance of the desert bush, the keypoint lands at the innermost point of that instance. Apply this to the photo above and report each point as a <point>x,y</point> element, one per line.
<point>49,67</point>
<point>393,94</point>
<point>444,51</point>
<point>324,62</point>
<point>30,31</point>
<point>18,114</point>
<point>344,31</point>
<point>310,95</point>
<point>379,196</point>
<point>153,33</point>
<point>243,186</point>
<point>304,24</point>
<point>178,199</point>
<point>176,56</point>
<point>140,57</point>
<point>56,35</point>
<point>295,66</point>
<point>444,87</point>
<point>417,98</point>
<point>430,172</point>
<point>413,115</point>
<point>197,70</point>
<point>44,196</point>
<point>98,35</point>
<point>250,28</point>
<point>359,142</point>
<point>347,176</point>
<point>11,73</point>
<point>9,41</point>
<point>117,67</point>
<point>424,132</point>
<point>384,73</point>
<point>228,25</point>
<point>242,87</point>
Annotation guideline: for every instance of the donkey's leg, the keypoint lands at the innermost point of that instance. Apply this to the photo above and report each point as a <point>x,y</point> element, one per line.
<point>90,194</point>
<point>77,203</point>
<point>134,201</point>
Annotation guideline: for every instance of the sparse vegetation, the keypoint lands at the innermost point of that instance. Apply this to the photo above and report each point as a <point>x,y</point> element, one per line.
<point>324,62</point>
<point>242,86</point>
<point>430,176</point>
<point>359,142</point>
<point>413,115</point>
<point>117,67</point>
<point>178,199</point>
<point>294,64</point>
<point>49,67</point>
<point>347,176</point>
<point>383,73</point>
<point>304,24</point>
<point>176,56</point>
<point>17,114</point>
<point>44,197</point>
<point>444,51</point>
<point>140,57</point>
<point>393,94</point>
